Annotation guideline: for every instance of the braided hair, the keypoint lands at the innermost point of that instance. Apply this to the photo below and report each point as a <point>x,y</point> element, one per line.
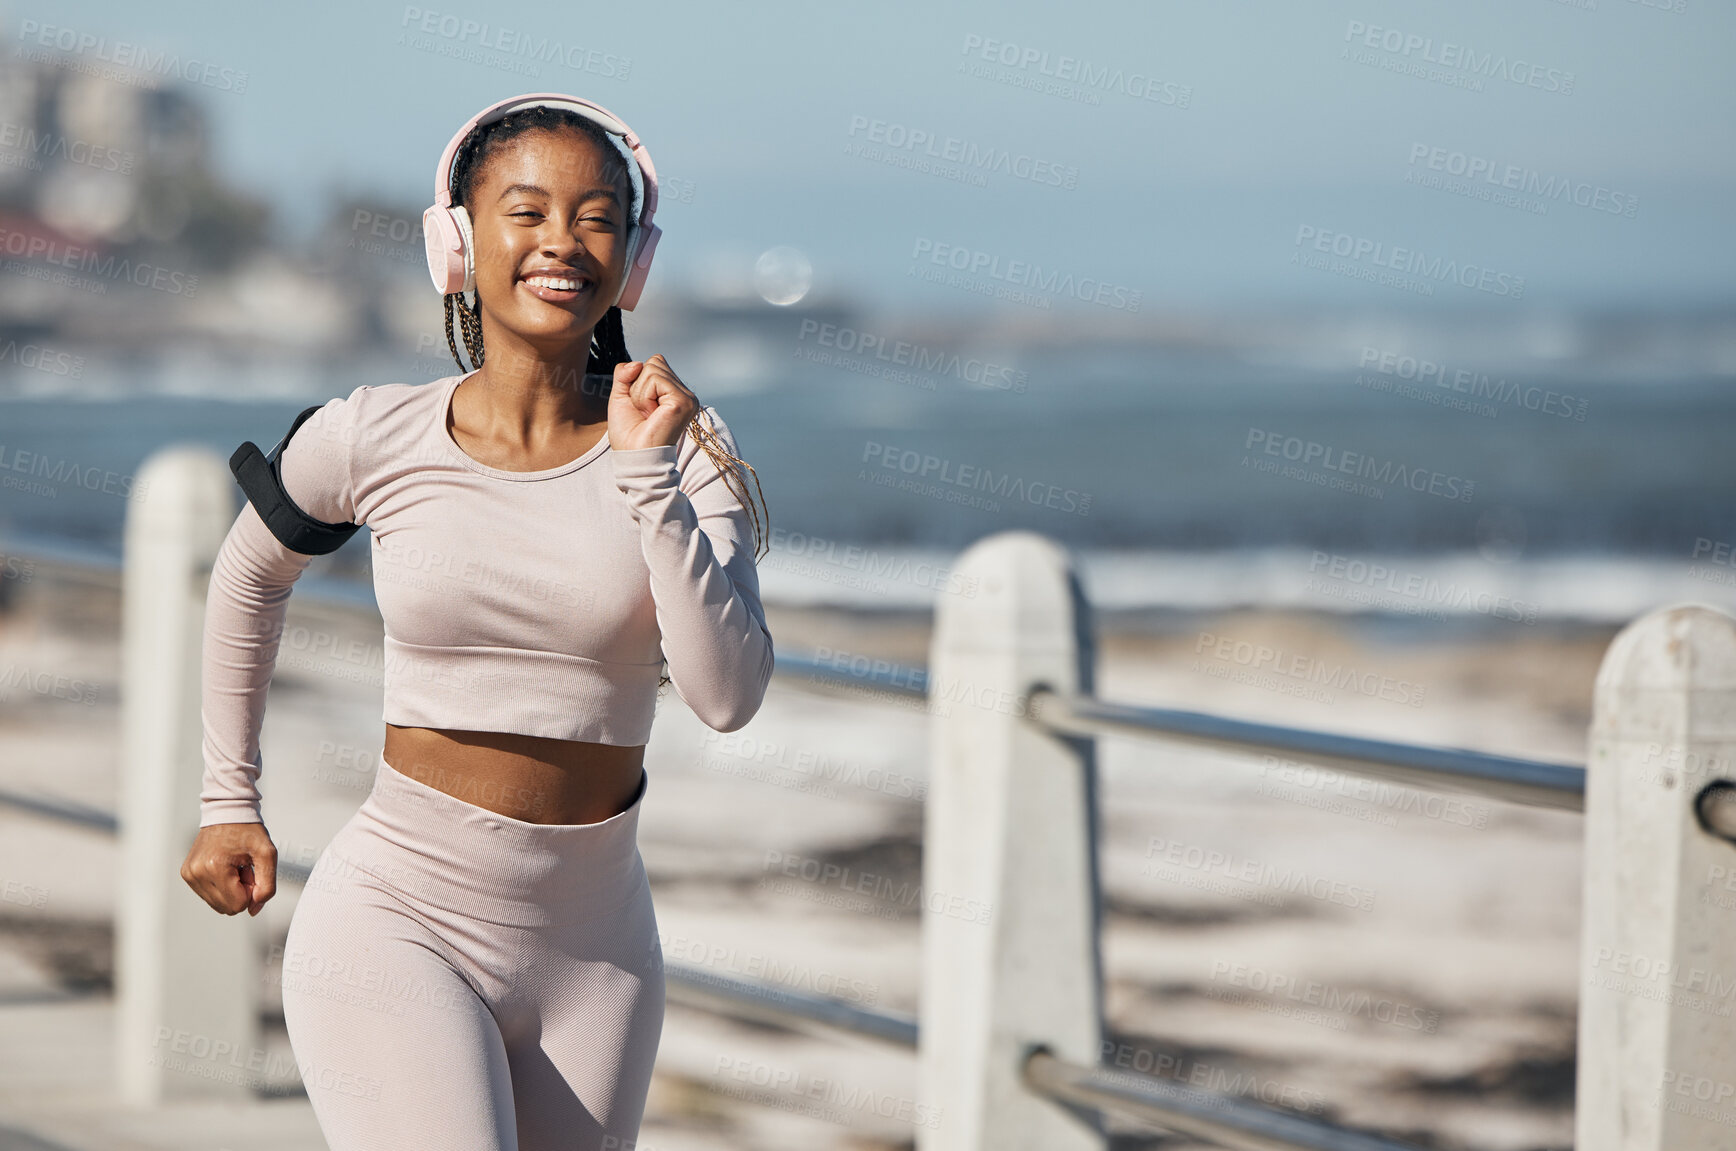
<point>608,340</point>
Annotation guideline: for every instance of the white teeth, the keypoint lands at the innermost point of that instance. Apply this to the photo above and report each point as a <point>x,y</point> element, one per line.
<point>558,285</point>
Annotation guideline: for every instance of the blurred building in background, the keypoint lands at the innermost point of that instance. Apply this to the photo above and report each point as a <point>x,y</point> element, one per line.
<point>106,187</point>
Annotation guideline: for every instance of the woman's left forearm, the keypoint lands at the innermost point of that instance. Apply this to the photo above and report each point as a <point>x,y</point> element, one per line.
<point>708,607</point>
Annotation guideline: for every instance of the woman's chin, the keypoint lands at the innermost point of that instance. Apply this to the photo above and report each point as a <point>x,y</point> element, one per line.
<point>548,325</point>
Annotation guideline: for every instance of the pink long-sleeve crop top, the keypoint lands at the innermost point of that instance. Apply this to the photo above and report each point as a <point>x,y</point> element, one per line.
<point>539,602</point>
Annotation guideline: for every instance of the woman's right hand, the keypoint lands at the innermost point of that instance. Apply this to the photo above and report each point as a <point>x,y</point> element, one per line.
<point>232,866</point>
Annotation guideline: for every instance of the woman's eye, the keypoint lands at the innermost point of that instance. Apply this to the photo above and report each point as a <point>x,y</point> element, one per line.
<point>527,212</point>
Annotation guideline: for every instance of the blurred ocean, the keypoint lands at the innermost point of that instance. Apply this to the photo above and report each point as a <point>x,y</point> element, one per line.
<point>1183,482</point>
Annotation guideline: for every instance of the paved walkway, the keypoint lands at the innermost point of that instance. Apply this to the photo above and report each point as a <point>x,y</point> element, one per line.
<point>57,1092</point>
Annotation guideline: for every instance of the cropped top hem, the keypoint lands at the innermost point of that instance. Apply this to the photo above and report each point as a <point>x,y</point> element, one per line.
<point>574,697</point>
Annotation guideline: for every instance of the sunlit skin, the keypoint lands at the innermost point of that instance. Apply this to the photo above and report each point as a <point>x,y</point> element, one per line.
<point>546,202</point>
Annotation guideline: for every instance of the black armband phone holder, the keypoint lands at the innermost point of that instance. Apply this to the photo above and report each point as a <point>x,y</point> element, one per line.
<point>261,478</point>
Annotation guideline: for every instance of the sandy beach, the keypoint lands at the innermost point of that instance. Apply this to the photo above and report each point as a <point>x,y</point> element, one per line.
<point>1432,998</point>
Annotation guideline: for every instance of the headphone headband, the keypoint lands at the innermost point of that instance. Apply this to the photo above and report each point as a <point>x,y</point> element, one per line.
<point>450,259</point>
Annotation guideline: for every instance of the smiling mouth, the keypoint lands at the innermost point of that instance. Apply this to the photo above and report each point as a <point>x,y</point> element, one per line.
<point>557,289</point>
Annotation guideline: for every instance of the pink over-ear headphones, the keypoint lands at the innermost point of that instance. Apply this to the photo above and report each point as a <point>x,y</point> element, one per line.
<point>446,228</point>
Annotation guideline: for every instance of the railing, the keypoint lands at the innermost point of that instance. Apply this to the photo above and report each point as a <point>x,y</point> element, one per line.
<point>1010,1050</point>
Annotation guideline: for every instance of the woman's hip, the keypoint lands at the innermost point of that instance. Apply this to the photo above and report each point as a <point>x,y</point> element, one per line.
<point>443,853</point>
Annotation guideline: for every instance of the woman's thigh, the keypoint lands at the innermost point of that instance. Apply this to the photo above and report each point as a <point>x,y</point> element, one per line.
<point>582,1024</point>
<point>394,1045</point>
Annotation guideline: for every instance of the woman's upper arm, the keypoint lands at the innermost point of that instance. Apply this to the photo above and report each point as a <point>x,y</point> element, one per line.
<point>317,465</point>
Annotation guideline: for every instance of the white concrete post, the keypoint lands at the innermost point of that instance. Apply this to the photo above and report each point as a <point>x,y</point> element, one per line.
<point>186,1011</point>
<point>1010,946</point>
<point>1657,1038</point>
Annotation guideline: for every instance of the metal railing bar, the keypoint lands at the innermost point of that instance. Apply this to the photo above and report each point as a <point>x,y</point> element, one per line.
<point>67,551</point>
<point>63,810</point>
<point>1535,782</point>
<point>745,999</point>
<point>1227,1120</point>
<point>903,680</point>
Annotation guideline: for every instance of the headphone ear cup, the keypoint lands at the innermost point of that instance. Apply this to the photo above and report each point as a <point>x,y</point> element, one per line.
<point>639,269</point>
<point>467,241</point>
<point>446,242</point>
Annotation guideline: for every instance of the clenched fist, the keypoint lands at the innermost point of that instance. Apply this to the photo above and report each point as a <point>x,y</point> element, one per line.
<point>232,866</point>
<point>649,406</point>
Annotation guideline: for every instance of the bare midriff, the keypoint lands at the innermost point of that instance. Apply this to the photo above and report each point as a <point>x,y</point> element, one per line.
<point>529,777</point>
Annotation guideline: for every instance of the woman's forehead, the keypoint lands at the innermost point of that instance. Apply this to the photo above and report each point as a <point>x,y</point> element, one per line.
<point>550,147</point>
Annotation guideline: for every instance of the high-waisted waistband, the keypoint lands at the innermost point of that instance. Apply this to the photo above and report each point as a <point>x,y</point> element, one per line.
<point>445,851</point>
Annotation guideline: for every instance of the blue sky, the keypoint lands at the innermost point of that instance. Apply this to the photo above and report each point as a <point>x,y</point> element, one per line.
<point>1277,125</point>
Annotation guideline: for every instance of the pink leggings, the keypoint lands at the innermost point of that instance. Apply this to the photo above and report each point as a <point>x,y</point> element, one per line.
<point>457,979</point>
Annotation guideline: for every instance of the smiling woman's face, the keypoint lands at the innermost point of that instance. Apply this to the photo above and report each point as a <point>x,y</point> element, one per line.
<point>549,212</point>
